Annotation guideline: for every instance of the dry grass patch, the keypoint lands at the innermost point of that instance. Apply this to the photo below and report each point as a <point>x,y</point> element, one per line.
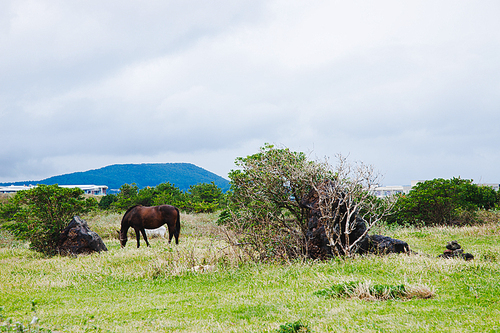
<point>367,290</point>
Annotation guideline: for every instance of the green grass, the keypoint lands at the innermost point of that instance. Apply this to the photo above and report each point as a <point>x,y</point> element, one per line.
<point>202,285</point>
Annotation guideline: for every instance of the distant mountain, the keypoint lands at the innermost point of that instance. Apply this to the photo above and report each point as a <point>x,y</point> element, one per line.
<point>182,175</point>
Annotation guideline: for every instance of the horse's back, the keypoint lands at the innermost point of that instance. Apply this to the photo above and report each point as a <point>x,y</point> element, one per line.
<point>151,217</point>
<point>167,209</point>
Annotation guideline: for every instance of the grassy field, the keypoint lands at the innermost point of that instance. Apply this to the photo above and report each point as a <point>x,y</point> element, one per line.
<point>202,285</point>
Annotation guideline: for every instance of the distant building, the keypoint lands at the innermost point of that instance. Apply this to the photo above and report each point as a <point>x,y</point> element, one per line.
<point>87,189</point>
<point>15,188</point>
<point>90,189</point>
<point>387,191</point>
<point>494,186</point>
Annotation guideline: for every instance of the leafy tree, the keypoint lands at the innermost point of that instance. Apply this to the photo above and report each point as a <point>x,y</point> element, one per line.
<point>44,211</point>
<point>145,196</point>
<point>273,181</point>
<point>126,198</point>
<point>107,200</point>
<point>200,198</point>
<point>7,211</point>
<point>265,206</point>
<point>442,201</point>
<point>206,192</point>
<point>167,194</point>
<point>266,202</point>
<point>476,197</point>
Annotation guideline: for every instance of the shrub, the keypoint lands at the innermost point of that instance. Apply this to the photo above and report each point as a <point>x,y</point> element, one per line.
<point>443,201</point>
<point>295,327</point>
<point>267,210</point>
<point>126,198</point>
<point>265,202</point>
<point>201,198</point>
<point>107,200</point>
<point>43,212</point>
<point>206,192</point>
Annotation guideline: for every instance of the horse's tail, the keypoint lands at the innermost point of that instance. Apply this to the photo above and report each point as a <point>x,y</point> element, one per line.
<point>177,224</point>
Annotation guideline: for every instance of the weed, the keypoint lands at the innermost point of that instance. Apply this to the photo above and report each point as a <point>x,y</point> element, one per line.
<point>295,327</point>
<point>491,256</point>
<point>345,289</point>
<point>8,325</point>
<point>7,239</point>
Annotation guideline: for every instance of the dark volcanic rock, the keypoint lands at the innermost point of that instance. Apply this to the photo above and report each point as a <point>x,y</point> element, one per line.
<point>453,245</point>
<point>77,238</point>
<point>317,240</point>
<point>454,250</point>
<point>382,245</point>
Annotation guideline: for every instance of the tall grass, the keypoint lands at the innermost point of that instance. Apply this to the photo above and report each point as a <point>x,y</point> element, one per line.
<point>204,285</point>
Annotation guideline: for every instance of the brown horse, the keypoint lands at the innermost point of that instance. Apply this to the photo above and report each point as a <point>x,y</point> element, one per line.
<point>141,217</point>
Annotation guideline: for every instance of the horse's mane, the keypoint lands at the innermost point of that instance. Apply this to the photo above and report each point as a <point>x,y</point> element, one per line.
<point>128,210</point>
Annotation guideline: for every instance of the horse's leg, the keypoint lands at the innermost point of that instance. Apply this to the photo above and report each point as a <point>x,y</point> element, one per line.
<point>138,237</point>
<point>171,231</point>
<point>143,232</point>
<point>170,235</point>
<point>177,228</point>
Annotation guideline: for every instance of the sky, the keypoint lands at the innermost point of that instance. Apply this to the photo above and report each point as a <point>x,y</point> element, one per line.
<point>409,87</point>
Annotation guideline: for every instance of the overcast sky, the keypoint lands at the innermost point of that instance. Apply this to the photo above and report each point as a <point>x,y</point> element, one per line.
<point>410,87</point>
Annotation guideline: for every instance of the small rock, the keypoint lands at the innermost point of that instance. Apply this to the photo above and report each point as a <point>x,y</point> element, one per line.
<point>453,245</point>
<point>454,250</point>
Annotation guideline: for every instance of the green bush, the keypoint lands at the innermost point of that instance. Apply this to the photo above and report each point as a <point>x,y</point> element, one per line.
<point>42,212</point>
<point>201,198</point>
<point>443,201</point>
<point>127,197</point>
<point>295,327</point>
<point>107,200</point>
<point>264,206</point>
<point>269,207</point>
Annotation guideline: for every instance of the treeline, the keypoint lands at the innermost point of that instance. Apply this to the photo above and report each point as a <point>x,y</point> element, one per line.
<point>200,198</point>
<point>454,201</point>
<point>264,203</point>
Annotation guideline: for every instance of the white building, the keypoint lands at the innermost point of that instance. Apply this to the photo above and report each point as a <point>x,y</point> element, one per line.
<point>494,186</point>
<point>15,188</point>
<point>87,189</point>
<point>90,189</point>
<point>386,191</point>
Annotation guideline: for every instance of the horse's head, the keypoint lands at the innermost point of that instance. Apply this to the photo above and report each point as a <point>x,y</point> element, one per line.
<point>122,236</point>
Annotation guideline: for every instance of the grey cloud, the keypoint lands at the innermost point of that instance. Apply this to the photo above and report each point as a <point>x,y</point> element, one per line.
<point>410,88</point>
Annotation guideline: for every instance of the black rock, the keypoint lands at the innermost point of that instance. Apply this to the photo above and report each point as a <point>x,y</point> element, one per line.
<point>318,245</point>
<point>379,244</point>
<point>77,238</point>
<point>468,256</point>
<point>453,245</point>
<point>454,250</point>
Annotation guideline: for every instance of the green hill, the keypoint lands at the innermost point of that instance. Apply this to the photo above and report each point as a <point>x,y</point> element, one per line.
<point>182,175</point>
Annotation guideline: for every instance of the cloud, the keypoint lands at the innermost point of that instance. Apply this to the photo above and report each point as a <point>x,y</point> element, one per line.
<point>409,87</point>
